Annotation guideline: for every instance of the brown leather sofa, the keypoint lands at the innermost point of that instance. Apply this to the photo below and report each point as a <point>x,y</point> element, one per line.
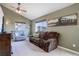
<point>47,40</point>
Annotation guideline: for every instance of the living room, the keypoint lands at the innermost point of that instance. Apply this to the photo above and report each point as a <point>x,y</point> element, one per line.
<point>38,19</point>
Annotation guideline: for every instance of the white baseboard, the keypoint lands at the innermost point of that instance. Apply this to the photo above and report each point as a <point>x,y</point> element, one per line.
<point>69,50</point>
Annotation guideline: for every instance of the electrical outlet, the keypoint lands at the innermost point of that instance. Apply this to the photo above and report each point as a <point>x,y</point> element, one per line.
<point>74,45</point>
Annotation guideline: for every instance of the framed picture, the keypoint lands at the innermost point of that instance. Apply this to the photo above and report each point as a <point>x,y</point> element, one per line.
<point>64,20</point>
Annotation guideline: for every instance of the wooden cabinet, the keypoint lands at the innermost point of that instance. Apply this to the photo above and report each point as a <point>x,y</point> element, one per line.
<point>5,44</point>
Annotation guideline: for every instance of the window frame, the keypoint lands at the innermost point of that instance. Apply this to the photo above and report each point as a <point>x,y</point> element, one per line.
<point>39,22</point>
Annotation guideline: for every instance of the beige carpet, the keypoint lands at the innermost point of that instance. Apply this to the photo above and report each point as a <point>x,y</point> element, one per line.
<point>25,48</point>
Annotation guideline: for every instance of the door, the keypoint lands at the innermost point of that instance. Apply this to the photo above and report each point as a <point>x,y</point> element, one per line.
<point>21,31</point>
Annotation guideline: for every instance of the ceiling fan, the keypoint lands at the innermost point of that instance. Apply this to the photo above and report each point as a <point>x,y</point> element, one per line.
<point>18,9</point>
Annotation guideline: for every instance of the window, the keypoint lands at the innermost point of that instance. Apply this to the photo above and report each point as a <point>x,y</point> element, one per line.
<point>40,26</point>
<point>20,26</point>
<point>22,29</point>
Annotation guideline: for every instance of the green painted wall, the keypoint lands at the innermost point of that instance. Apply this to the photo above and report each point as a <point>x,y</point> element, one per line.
<point>69,35</point>
<point>13,17</point>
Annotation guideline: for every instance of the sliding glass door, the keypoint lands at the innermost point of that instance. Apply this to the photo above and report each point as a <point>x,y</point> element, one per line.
<point>21,31</point>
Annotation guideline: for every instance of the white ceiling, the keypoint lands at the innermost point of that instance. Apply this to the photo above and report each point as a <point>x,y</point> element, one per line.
<point>35,10</point>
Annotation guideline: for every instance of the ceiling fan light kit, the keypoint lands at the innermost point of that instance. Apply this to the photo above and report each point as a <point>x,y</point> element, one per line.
<point>18,11</point>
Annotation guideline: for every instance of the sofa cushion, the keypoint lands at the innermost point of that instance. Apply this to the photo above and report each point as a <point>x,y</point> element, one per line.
<point>52,34</point>
<point>43,35</point>
<point>36,35</point>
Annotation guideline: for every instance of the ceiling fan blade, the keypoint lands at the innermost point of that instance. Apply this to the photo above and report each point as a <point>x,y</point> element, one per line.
<point>23,10</point>
<point>12,7</point>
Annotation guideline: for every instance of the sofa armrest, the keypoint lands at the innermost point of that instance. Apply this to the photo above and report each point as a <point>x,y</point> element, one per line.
<point>49,44</point>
